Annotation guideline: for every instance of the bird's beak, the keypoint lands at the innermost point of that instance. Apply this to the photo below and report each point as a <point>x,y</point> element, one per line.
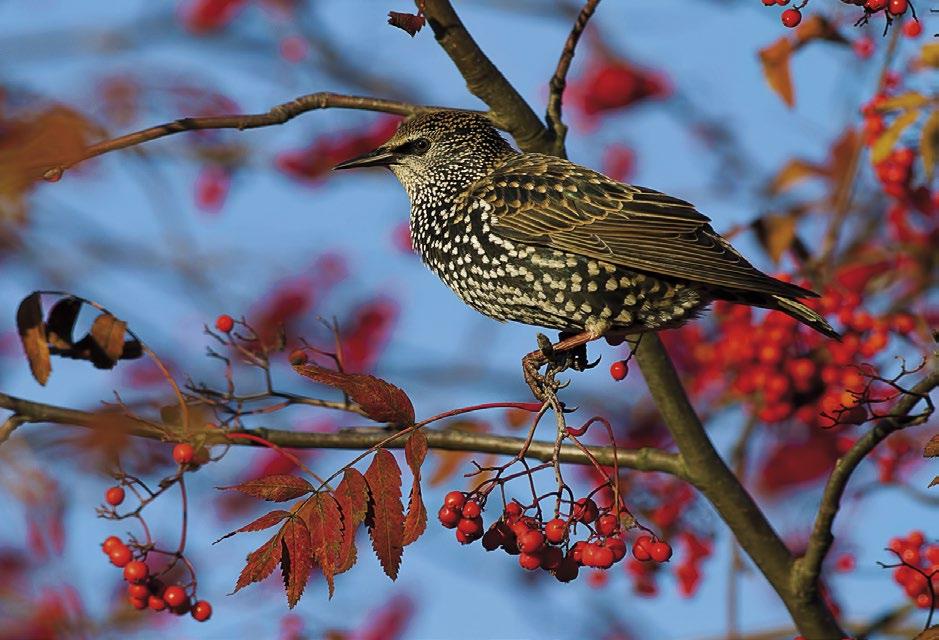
<point>380,157</point>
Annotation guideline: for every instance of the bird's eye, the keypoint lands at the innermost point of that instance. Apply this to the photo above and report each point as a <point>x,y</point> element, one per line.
<point>420,146</point>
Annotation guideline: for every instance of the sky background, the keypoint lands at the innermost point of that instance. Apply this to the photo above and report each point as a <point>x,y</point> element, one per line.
<point>271,227</point>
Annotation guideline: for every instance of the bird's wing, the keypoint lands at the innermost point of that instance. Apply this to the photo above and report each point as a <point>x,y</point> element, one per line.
<point>543,200</point>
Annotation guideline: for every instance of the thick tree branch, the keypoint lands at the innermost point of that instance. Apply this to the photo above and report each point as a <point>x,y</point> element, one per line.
<point>647,459</point>
<point>277,115</point>
<point>708,472</point>
<point>808,568</point>
<point>559,79</point>
<point>484,80</point>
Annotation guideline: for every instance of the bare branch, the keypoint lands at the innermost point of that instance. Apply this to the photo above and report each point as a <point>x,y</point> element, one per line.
<point>9,426</point>
<point>646,459</point>
<point>559,79</point>
<point>484,80</point>
<point>808,568</point>
<point>277,115</point>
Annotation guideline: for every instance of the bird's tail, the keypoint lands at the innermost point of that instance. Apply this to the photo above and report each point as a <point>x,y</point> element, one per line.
<point>803,314</point>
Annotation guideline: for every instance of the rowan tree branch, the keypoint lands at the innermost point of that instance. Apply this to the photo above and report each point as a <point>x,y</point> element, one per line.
<point>646,459</point>
<point>711,476</point>
<point>807,569</point>
<point>559,79</point>
<point>277,115</point>
<point>508,108</point>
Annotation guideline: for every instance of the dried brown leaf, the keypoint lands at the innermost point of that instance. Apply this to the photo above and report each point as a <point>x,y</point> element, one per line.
<point>932,447</point>
<point>61,322</point>
<point>406,22</point>
<point>33,336</point>
<point>451,461</point>
<point>385,519</point>
<point>818,27</point>
<point>415,522</point>
<point>776,233</point>
<point>107,340</point>
<point>775,59</point>
<point>793,172</point>
<point>381,401</point>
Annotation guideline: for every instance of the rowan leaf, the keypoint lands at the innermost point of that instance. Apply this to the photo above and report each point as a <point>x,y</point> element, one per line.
<point>352,496</point>
<point>793,172</point>
<point>932,447</point>
<point>266,521</point>
<point>406,22</point>
<point>381,401</point>
<point>385,518</point>
<point>297,559</point>
<point>818,27</point>
<point>324,520</point>
<point>450,461</point>
<point>888,139</point>
<point>107,341</point>
<point>775,59</point>
<point>776,233</point>
<point>929,144</point>
<point>33,336</point>
<point>61,322</point>
<point>261,562</point>
<point>415,522</point>
<point>274,488</point>
<point>933,482</point>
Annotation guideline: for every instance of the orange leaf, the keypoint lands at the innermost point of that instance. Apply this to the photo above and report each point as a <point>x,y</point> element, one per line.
<point>932,447</point>
<point>352,496</point>
<point>450,461</point>
<point>776,233</point>
<point>33,335</point>
<point>297,559</point>
<point>261,562</point>
<point>324,520</point>
<point>792,173</point>
<point>259,524</point>
<point>385,519</point>
<point>275,488</point>
<point>381,401</point>
<point>818,27</point>
<point>775,59</point>
<point>107,338</point>
<point>415,522</point>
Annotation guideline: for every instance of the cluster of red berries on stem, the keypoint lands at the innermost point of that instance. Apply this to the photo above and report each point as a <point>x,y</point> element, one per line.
<point>548,545</point>
<point>918,570</point>
<point>145,591</point>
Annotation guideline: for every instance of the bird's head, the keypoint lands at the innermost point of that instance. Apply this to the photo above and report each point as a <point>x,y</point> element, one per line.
<point>441,147</point>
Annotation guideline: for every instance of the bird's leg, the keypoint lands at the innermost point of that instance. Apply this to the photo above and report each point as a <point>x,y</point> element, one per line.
<point>569,352</point>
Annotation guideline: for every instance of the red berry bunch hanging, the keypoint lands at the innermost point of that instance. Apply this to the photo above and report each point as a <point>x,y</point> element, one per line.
<point>918,565</point>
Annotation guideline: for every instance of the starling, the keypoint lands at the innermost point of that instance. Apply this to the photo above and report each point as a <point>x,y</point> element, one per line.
<point>544,241</point>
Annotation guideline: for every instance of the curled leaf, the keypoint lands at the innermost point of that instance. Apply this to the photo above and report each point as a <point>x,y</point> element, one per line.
<point>406,22</point>
<point>33,336</point>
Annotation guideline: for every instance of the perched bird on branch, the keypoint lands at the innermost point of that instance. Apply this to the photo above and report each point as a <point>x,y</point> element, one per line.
<point>544,241</point>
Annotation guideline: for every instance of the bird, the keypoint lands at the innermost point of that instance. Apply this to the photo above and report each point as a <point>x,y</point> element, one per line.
<point>543,241</point>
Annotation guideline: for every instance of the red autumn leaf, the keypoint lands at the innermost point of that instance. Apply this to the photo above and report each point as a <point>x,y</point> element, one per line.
<point>381,401</point>
<point>275,488</point>
<point>297,559</point>
<point>261,562</point>
<point>352,496</point>
<point>259,524</point>
<point>406,22</point>
<point>415,522</point>
<point>325,523</point>
<point>385,519</point>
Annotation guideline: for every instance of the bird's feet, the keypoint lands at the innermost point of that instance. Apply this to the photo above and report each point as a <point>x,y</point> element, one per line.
<point>569,353</point>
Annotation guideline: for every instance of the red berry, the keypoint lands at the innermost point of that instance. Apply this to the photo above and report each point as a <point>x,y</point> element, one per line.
<point>202,611</point>
<point>607,525</point>
<point>138,603</point>
<point>114,496</point>
<point>141,591</point>
<point>462,538</point>
<point>448,517</point>
<point>642,548</point>
<point>531,542</point>
<point>875,5</point>
<point>454,500</point>
<point>471,509</point>
<point>224,323</point>
<point>471,527</point>
<point>791,17</point>
<point>110,543</point>
<point>555,530</point>
<point>577,551</point>
<point>602,557</point>
<point>619,369</point>
<point>863,47</point>
<point>588,554</point>
<point>660,551</point>
<point>567,570</point>
<point>551,558</point>
<point>174,595</point>
<point>769,3</point>
<point>136,571</point>
<point>916,538</point>
<point>513,510</point>
<point>520,528</point>
<point>912,28</point>
<point>530,561</point>
<point>898,7</point>
<point>617,546</point>
<point>845,563</point>
<point>156,603</point>
<point>585,510</point>
<point>494,537</point>
<point>120,556</point>
<point>183,453</point>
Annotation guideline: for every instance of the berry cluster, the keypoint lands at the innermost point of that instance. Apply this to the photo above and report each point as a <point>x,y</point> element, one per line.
<point>548,545</point>
<point>792,16</point>
<point>919,565</point>
<point>147,592</point>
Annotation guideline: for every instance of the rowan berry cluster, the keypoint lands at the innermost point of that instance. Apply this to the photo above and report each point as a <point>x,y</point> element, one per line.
<point>919,565</point>
<point>792,16</point>
<point>549,545</point>
<point>145,591</point>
